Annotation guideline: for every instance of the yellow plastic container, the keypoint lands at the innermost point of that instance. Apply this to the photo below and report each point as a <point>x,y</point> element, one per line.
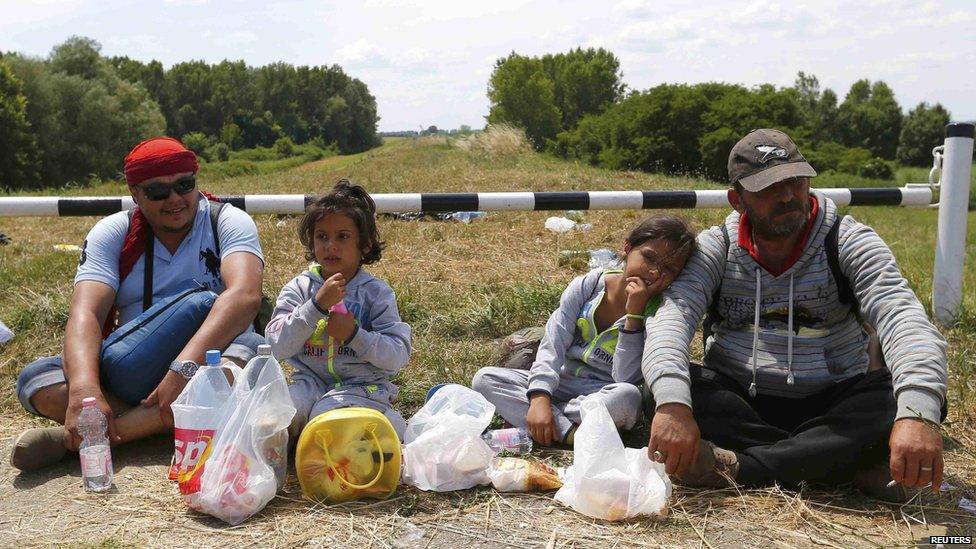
<point>347,454</point>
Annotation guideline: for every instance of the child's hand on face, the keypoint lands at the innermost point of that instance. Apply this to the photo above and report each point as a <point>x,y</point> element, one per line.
<point>340,327</point>
<point>539,420</point>
<point>638,294</point>
<point>331,292</point>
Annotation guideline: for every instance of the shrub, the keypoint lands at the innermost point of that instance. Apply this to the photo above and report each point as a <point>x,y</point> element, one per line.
<point>284,147</point>
<point>876,168</point>
<point>198,142</point>
<point>219,152</point>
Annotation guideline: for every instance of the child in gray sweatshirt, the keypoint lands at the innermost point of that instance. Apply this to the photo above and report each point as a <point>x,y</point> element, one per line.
<point>593,342</point>
<point>336,324</point>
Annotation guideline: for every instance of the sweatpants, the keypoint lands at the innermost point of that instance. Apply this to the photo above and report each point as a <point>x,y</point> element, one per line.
<point>506,389</point>
<point>820,439</point>
<point>312,396</point>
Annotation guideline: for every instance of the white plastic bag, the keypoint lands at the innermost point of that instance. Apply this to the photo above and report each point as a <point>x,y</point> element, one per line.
<point>608,481</point>
<point>243,469</point>
<point>559,224</point>
<point>443,449</point>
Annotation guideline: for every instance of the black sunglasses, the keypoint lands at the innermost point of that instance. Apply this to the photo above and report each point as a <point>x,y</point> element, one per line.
<point>160,191</point>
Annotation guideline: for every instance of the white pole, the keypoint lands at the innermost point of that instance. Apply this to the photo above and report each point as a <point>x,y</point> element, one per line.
<point>950,244</point>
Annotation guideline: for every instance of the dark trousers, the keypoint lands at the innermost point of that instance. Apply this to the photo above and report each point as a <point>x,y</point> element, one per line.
<point>821,439</point>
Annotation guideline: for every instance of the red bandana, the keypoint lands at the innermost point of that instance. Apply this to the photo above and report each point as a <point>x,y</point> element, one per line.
<point>157,157</point>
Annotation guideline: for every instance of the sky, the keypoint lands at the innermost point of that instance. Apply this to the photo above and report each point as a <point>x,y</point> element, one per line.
<point>428,62</point>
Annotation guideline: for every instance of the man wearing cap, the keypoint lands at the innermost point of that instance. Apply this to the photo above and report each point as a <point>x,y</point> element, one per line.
<point>162,257</point>
<point>785,393</point>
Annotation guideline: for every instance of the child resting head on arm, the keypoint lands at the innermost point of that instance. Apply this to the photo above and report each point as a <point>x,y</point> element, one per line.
<point>593,342</point>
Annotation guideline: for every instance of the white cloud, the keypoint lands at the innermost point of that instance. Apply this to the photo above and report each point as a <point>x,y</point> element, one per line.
<point>428,61</point>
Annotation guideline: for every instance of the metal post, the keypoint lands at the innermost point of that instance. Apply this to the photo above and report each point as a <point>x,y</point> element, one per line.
<point>950,244</point>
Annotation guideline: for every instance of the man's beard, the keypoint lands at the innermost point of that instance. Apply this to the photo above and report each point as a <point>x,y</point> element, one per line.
<point>767,228</point>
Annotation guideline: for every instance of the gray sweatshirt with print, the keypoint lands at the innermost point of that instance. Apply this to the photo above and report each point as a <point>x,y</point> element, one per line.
<point>571,345</point>
<point>379,347</point>
<point>805,332</point>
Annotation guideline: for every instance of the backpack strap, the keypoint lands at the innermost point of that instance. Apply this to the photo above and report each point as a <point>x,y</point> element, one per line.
<point>215,209</point>
<point>844,291</point>
<point>147,278</point>
<point>713,315</point>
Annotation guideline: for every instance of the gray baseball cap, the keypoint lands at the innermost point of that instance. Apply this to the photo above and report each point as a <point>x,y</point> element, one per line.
<point>764,157</point>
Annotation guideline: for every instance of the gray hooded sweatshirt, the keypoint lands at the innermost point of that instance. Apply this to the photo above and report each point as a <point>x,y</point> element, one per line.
<point>807,339</point>
<point>379,347</point>
<point>573,347</point>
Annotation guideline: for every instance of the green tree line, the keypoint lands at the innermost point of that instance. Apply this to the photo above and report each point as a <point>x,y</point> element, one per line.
<point>73,115</point>
<point>574,105</point>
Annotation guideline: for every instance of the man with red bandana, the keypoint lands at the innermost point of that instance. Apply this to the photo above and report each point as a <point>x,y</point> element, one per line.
<point>787,392</point>
<point>164,254</point>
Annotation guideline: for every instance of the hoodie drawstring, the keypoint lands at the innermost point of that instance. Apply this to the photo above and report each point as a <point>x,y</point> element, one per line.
<point>755,332</point>
<point>789,337</point>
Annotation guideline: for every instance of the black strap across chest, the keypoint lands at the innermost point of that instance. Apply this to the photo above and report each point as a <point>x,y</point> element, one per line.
<point>149,254</point>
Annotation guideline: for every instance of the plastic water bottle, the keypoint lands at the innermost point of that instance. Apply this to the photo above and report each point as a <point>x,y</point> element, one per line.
<point>95,452</point>
<point>273,444</point>
<point>513,440</point>
<point>603,259</point>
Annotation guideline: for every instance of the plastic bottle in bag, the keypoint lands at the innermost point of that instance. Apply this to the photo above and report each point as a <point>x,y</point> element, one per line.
<point>195,413</point>
<point>513,440</point>
<point>95,452</point>
<point>273,444</point>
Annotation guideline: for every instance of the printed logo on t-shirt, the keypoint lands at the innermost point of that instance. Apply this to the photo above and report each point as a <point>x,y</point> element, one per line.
<point>84,253</point>
<point>211,262</point>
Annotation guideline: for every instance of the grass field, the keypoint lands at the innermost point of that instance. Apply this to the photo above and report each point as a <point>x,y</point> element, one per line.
<point>460,287</point>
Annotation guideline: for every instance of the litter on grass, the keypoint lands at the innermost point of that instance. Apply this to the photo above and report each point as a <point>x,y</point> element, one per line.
<point>6,334</point>
<point>462,217</point>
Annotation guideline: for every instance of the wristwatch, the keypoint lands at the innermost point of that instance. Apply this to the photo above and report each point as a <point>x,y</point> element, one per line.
<point>185,368</point>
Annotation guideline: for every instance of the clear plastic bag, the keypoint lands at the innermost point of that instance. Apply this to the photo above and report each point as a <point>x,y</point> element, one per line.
<point>607,480</point>
<point>444,450</point>
<point>196,415</point>
<point>243,468</point>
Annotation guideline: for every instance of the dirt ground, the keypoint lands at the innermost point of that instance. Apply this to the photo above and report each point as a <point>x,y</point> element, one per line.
<point>144,509</point>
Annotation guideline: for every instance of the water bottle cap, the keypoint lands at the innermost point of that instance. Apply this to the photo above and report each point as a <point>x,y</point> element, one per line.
<point>213,357</point>
<point>88,401</point>
<point>264,349</point>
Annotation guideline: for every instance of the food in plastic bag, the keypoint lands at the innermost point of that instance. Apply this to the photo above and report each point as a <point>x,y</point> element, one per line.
<point>444,450</point>
<point>606,480</point>
<point>242,469</point>
<point>509,474</point>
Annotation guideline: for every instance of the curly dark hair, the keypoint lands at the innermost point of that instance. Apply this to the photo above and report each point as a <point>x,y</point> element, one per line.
<point>349,199</point>
<point>671,228</point>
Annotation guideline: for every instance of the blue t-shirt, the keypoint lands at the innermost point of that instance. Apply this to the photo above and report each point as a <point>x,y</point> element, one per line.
<point>194,259</point>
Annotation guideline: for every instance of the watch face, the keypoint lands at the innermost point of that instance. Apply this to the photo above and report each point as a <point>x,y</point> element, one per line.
<point>188,368</point>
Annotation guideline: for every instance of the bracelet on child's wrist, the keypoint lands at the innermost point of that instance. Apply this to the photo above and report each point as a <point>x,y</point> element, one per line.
<point>635,317</point>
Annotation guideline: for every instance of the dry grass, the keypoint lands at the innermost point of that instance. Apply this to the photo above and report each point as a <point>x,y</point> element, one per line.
<point>497,141</point>
<point>459,286</point>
